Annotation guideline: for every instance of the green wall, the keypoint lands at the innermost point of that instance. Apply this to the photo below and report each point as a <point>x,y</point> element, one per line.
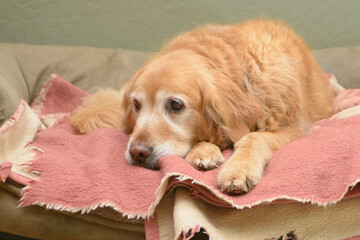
<point>146,24</point>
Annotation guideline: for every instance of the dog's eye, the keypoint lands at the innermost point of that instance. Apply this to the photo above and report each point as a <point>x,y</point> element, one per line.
<point>136,105</point>
<point>175,105</point>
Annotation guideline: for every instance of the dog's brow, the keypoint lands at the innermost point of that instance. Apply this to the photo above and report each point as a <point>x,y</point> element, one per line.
<point>136,95</point>
<point>161,95</point>
<point>133,95</point>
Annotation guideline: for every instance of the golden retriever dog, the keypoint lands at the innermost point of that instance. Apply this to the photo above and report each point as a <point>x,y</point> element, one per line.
<point>253,86</point>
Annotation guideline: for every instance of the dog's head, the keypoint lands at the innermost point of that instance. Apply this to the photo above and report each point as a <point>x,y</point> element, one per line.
<point>179,99</point>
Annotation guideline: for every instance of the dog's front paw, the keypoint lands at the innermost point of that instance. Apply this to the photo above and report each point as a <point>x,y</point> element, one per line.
<point>239,176</point>
<point>205,156</point>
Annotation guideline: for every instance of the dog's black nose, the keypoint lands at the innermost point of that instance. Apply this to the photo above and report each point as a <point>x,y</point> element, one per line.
<point>139,152</point>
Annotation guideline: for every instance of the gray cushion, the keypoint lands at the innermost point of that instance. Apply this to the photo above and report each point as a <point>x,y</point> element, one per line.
<point>25,68</point>
<point>343,62</point>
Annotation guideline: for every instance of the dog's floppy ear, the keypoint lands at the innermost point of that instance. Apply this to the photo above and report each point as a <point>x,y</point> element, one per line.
<point>229,108</point>
<point>128,119</point>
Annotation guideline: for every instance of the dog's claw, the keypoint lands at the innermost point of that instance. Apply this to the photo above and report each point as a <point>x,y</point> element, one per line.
<point>249,184</point>
<point>207,164</point>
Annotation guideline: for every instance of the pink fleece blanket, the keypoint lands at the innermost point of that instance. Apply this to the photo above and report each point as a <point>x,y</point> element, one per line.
<point>84,172</point>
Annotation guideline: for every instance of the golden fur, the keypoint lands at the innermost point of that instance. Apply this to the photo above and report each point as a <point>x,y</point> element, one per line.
<point>254,86</point>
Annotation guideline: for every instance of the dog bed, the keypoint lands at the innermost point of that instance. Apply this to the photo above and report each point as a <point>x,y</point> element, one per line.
<point>53,111</point>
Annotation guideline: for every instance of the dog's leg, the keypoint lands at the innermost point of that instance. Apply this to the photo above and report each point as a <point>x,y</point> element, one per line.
<point>205,156</point>
<point>245,167</point>
<point>100,110</point>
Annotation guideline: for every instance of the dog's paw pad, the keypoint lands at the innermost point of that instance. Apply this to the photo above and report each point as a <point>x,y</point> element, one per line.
<point>205,156</point>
